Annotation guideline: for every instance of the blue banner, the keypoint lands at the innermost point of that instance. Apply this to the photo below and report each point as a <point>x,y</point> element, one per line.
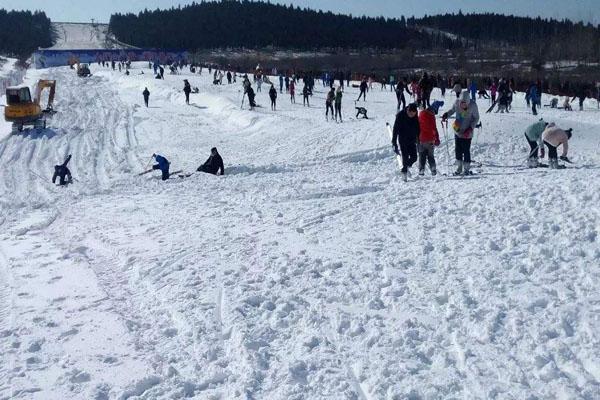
<point>59,58</point>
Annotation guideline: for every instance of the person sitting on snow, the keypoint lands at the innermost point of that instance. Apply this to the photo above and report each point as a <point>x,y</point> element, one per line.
<point>62,172</point>
<point>163,164</point>
<point>553,138</point>
<point>214,164</point>
<point>533,134</point>
<point>429,137</point>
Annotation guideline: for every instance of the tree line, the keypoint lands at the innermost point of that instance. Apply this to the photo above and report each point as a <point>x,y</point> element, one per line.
<point>549,38</point>
<point>255,24</point>
<point>23,32</point>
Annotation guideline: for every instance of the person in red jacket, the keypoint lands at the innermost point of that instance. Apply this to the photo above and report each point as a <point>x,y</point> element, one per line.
<point>429,137</point>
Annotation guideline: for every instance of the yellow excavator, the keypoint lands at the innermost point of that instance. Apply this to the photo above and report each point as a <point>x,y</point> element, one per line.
<point>22,110</point>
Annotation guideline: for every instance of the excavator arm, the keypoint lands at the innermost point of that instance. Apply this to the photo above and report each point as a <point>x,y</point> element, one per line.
<point>43,84</point>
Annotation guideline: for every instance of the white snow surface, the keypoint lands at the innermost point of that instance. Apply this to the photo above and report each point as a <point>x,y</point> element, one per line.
<point>309,271</point>
<point>81,36</point>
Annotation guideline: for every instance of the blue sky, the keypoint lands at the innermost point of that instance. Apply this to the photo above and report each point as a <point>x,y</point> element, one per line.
<point>84,10</point>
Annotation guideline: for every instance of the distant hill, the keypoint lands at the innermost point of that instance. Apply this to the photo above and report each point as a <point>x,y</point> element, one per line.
<point>258,24</point>
<point>555,39</point>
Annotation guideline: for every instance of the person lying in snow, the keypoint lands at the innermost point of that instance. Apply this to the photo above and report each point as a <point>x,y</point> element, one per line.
<point>214,164</point>
<point>62,172</point>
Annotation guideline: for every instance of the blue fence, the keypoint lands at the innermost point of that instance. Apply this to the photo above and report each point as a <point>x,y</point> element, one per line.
<point>58,58</point>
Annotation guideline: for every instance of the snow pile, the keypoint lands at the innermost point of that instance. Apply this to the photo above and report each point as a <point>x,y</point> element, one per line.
<point>309,271</point>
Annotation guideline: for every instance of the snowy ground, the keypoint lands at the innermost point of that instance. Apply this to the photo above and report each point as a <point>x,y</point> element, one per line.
<point>79,36</point>
<point>309,271</point>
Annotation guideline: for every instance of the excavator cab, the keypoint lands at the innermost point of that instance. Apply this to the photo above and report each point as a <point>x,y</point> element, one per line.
<point>22,110</point>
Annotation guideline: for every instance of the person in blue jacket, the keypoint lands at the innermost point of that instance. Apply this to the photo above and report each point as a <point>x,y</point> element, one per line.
<point>534,97</point>
<point>162,164</point>
<point>473,89</point>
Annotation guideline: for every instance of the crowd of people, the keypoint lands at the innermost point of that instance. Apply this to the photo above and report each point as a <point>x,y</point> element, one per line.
<point>415,132</point>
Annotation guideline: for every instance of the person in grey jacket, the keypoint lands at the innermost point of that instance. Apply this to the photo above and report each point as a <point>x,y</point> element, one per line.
<point>533,134</point>
<point>467,118</point>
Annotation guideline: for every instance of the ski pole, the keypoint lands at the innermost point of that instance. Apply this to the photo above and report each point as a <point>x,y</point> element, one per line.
<point>148,164</point>
<point>445,129</point>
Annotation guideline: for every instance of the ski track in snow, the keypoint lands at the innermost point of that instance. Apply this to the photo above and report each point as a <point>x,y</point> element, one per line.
<point>309,271</point>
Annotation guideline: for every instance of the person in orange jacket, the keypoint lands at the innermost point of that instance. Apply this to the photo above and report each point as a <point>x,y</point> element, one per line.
<point>429,137</point>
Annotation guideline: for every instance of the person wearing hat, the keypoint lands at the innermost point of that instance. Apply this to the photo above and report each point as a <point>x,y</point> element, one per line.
<point>405,136</point>
<point>214,164</point>
<point>467,118</point>
<point>429,137</point>
<point>553,138</point>
<point>533,134</point>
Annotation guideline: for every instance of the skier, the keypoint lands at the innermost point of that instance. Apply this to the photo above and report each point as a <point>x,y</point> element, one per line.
<point>280,83</point>
<point>287,84</point>
<point>229,77</point>
<point>429,137</point>
<point>457,88</point>
<point>493,91</point>
<point>534,97</point>
<point>62,172</point>
<point>405,135</point>
<point>363,90</point>
<point>187,89</point>
<point>533,134</point>
<point>581,94</point>
<point>163,164</point>
<point>338,104</point>
<point>329,103</point>
<point>467,118</point>
<point>392,82</point>
<point>292,89</point>
<point>146,94</point>
<point>553,138</point>
<point>400,88</point>
<point>305,93</point>
<point>273,96</point>
<point>426,86</point>
<point>473,90</point>
<point>442,84</point>
<point>251,97</point>
<point>214,164</point>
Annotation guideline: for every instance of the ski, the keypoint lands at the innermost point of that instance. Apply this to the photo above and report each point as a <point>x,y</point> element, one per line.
<point>492,107</point>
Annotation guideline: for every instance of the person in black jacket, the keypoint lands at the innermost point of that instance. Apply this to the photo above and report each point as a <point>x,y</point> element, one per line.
<point>273,97</point>
<point>62,172</point>
<point>146,94</point>
<point>187,89</point>
<point>406,134</point>
<point>214,164</point>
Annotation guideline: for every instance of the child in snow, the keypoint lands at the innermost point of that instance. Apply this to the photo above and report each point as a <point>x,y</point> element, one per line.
<point>429,137</point>
<point>467,118</point>
<point>533,134</point>
<point>553,138</point>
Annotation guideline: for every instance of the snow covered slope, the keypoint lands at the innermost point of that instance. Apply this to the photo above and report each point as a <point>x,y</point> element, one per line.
<point>309,271</point>
<point>80,36</point>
